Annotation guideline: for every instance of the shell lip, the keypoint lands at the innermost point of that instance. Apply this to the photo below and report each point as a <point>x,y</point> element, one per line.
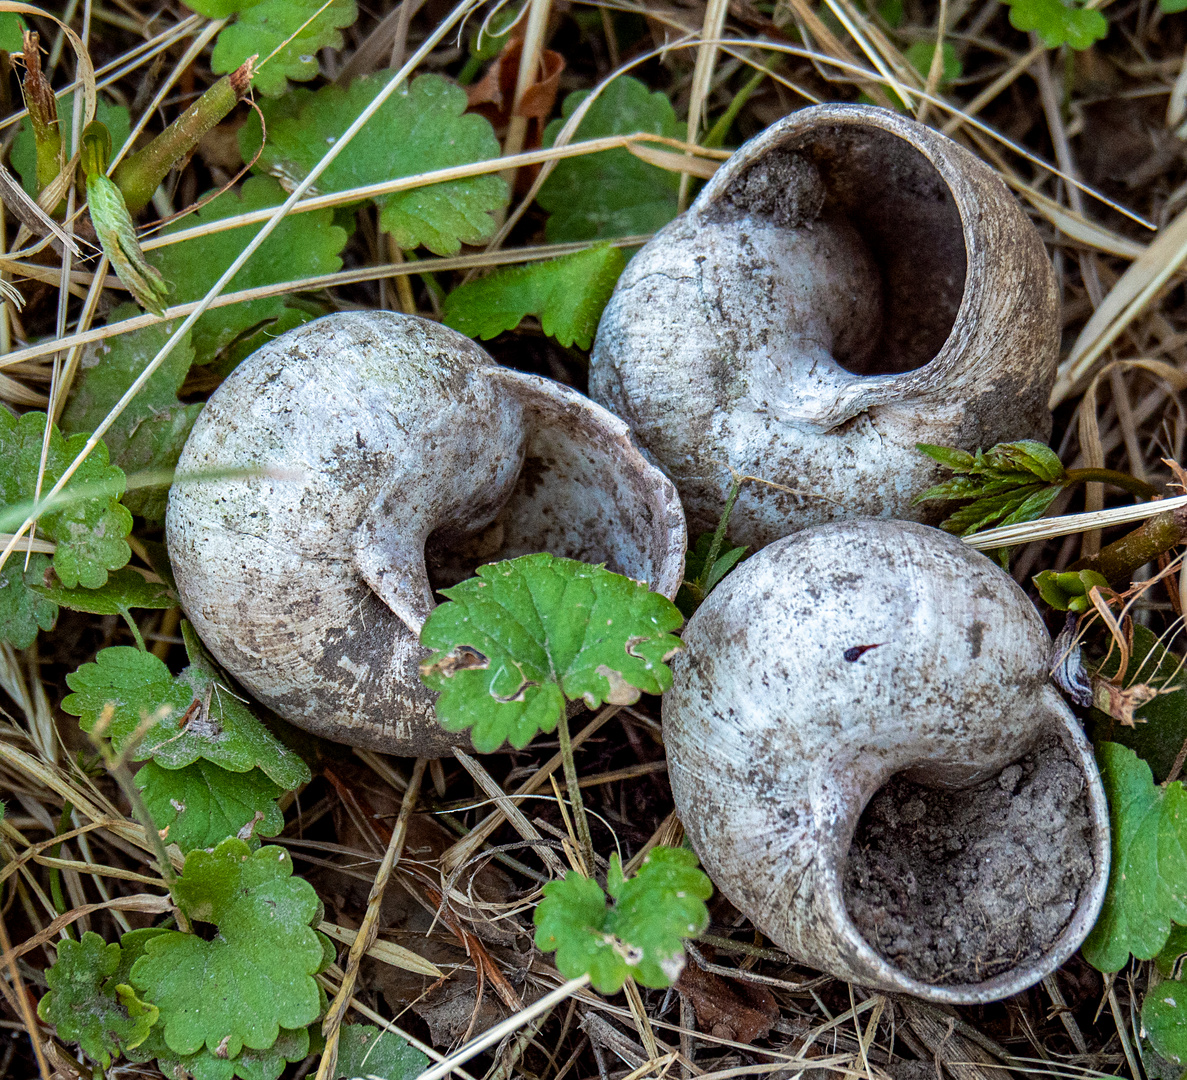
<point>555,404</point>
<point>870,968</point>
<point>866,391</point>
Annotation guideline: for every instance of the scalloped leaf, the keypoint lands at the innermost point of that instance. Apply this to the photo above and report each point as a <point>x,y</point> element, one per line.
<point>525,634</point>
<point>419,130</point>
<point>568,294</point>
<point>255,976</point>
<point>641,936</point>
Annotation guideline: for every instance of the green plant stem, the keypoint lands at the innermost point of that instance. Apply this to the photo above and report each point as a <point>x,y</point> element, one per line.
<point>719,535</point>
<point>55,875</point>
<point>139,175</point>
<point>721,128</point>
<point>580,821</point>
<point>127,616</point>
<point>43,115</point>
<point>1111,476</point>
<point>1117,562</point>
<point>470,70</point>
<point>117,766</point>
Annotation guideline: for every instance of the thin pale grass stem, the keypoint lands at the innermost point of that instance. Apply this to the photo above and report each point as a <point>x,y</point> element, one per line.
<point>32,1028</point>
<point>702,79</point>
<point>501,1030</point>
<point>1048,528</point>
<point>332,1025</point>
<point>461,852</point>
<point>1123,1034</point>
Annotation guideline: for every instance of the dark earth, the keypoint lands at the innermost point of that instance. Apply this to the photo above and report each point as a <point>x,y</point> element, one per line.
<point>959,886</point>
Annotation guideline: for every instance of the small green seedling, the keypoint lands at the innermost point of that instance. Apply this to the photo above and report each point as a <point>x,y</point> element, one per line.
<point>1069,590</point>
<point>641,936</point>
<point>1010,483</point>
<point>526,634</point>
<point>1059,23</point>
<point>90,1003</point>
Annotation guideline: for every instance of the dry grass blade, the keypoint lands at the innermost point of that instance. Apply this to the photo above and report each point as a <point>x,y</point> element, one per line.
<point>1125,301</point>
<point>1049,528</point>
<point>385,952</point>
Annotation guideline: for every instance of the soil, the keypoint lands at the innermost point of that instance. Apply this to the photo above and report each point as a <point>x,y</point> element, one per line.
<point>959,886</point>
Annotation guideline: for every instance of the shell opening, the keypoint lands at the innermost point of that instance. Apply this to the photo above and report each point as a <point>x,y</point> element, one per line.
<point>577,497</point>
<point>903,211</point>
<point>958,886</point>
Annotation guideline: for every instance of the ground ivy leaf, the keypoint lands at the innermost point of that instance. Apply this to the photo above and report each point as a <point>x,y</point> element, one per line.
<point>418,130</point>
<point>256,975</point>
<point>88,1006</point>
<point>200,718</point>
<point>526,633</point>
<point>23,610</point>
<point>24,148</point>
<point>1148,877</point>
<point>1058,23</point>
<point>87,521</point>
<point>658,908</point>
<point>303,245</point>
<point>1164,1018</point>
<point>12,27</point>
<point>568,294</point>
<point>201,805</point>
<point>236,739</point>
<point>364,1050</point>
<point>641,936</point>
<point>270,25</point>
<point>151,431</point>
<point>1162,722</point>
<point>134,685</point>
<point>126,588</point>
<point>612,193</point>
<point>290,1045</point>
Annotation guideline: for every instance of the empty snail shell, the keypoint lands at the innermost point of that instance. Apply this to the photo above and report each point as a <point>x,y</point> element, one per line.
<point>887,657</point>
<point>388,455</point>
<point>848,284</point>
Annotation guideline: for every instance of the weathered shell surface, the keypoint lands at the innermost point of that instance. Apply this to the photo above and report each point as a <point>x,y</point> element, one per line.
<point>776,742</point>
<point>848,284</point>
<point>378,435</point>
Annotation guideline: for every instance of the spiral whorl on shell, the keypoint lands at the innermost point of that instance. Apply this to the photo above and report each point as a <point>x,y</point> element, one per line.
<point>783,722</point>
<point>380,445</point>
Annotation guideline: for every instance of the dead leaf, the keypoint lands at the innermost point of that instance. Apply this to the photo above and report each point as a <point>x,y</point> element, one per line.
<point>728,1008</point>
<point>494,94</point>
<point>1120,702</point>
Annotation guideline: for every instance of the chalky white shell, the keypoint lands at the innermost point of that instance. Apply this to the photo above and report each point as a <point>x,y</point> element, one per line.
<point>848,284</point>
<point>776,741</point>
<point>372,434</point>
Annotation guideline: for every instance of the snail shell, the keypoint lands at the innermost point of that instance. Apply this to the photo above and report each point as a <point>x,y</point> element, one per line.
<point>848,284</point>
<point>779,732</point>
<point>374,438</point>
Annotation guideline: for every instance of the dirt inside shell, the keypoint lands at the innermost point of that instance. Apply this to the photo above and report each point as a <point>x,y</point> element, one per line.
<point>959,886</point>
